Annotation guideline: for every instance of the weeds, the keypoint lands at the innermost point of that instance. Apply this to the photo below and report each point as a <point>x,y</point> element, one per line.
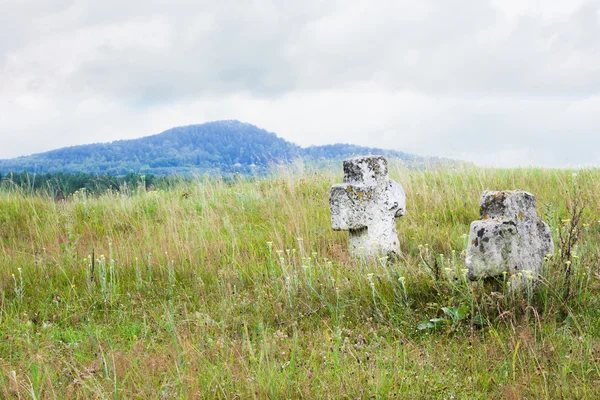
<point>568,237</point>
<point>19,286</point>
<point>214,290</point>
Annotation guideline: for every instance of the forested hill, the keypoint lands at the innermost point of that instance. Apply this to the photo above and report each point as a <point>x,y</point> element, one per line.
<point>221,146</point>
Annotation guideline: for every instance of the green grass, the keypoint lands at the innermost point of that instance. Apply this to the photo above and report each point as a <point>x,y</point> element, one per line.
<point>216,290</point>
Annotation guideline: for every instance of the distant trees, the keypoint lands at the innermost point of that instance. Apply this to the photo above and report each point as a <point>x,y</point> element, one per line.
<point>214,147</point>
<point>60,185</point>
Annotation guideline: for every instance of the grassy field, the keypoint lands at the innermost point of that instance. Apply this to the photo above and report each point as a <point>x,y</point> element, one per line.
<point>242,290</point>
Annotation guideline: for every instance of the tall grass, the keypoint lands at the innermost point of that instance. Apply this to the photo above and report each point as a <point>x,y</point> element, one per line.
<point>216,290</point>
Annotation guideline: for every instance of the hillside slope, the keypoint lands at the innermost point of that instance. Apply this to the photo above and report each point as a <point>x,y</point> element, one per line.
<point>221,146</point>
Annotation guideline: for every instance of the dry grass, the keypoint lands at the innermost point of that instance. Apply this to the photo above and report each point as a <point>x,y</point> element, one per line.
<point>215,290</point>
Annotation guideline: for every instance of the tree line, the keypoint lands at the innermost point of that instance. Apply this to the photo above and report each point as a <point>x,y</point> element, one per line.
<point>61,185</point>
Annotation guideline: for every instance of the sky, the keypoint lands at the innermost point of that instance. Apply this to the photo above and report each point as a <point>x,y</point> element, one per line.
<point>497,82</point>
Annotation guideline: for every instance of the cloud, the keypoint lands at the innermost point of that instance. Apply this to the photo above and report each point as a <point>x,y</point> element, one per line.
<point>509,81</point>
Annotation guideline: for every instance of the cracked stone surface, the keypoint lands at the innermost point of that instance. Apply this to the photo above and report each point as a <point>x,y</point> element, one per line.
<point>509,238</point>
<point>366,205</point>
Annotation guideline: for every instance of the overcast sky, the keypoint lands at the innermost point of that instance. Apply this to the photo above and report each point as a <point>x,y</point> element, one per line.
<point>496,82</point>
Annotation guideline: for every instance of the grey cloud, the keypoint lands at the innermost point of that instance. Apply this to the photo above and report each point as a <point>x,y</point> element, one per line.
<point>270,48</point>
<point>516,131</point>
<point>23,21</point>
<point>238,49</point>
<point>484,83</point>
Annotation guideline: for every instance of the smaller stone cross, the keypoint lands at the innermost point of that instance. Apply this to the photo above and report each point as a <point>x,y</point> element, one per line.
<point>509,239</point>
<point>366,205</point>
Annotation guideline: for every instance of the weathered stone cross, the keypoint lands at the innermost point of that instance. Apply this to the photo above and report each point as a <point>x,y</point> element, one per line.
<point>509,238</point>
<point>366,205</point>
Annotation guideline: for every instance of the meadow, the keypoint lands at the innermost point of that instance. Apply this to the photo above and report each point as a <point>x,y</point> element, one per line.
<point>213,289</point>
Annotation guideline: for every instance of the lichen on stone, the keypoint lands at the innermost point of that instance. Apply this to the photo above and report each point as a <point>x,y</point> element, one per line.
<point>509,237</point>
<point>366,205</point>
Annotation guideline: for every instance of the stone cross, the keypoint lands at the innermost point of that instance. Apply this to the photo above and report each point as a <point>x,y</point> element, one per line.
<point>366,205</point>
<point>509,239</point>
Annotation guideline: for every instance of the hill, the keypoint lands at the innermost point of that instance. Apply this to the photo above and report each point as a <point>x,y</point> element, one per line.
<point>219,147</point>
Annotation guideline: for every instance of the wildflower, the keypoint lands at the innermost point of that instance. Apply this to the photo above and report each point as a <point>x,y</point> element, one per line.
<point>567,262</point>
